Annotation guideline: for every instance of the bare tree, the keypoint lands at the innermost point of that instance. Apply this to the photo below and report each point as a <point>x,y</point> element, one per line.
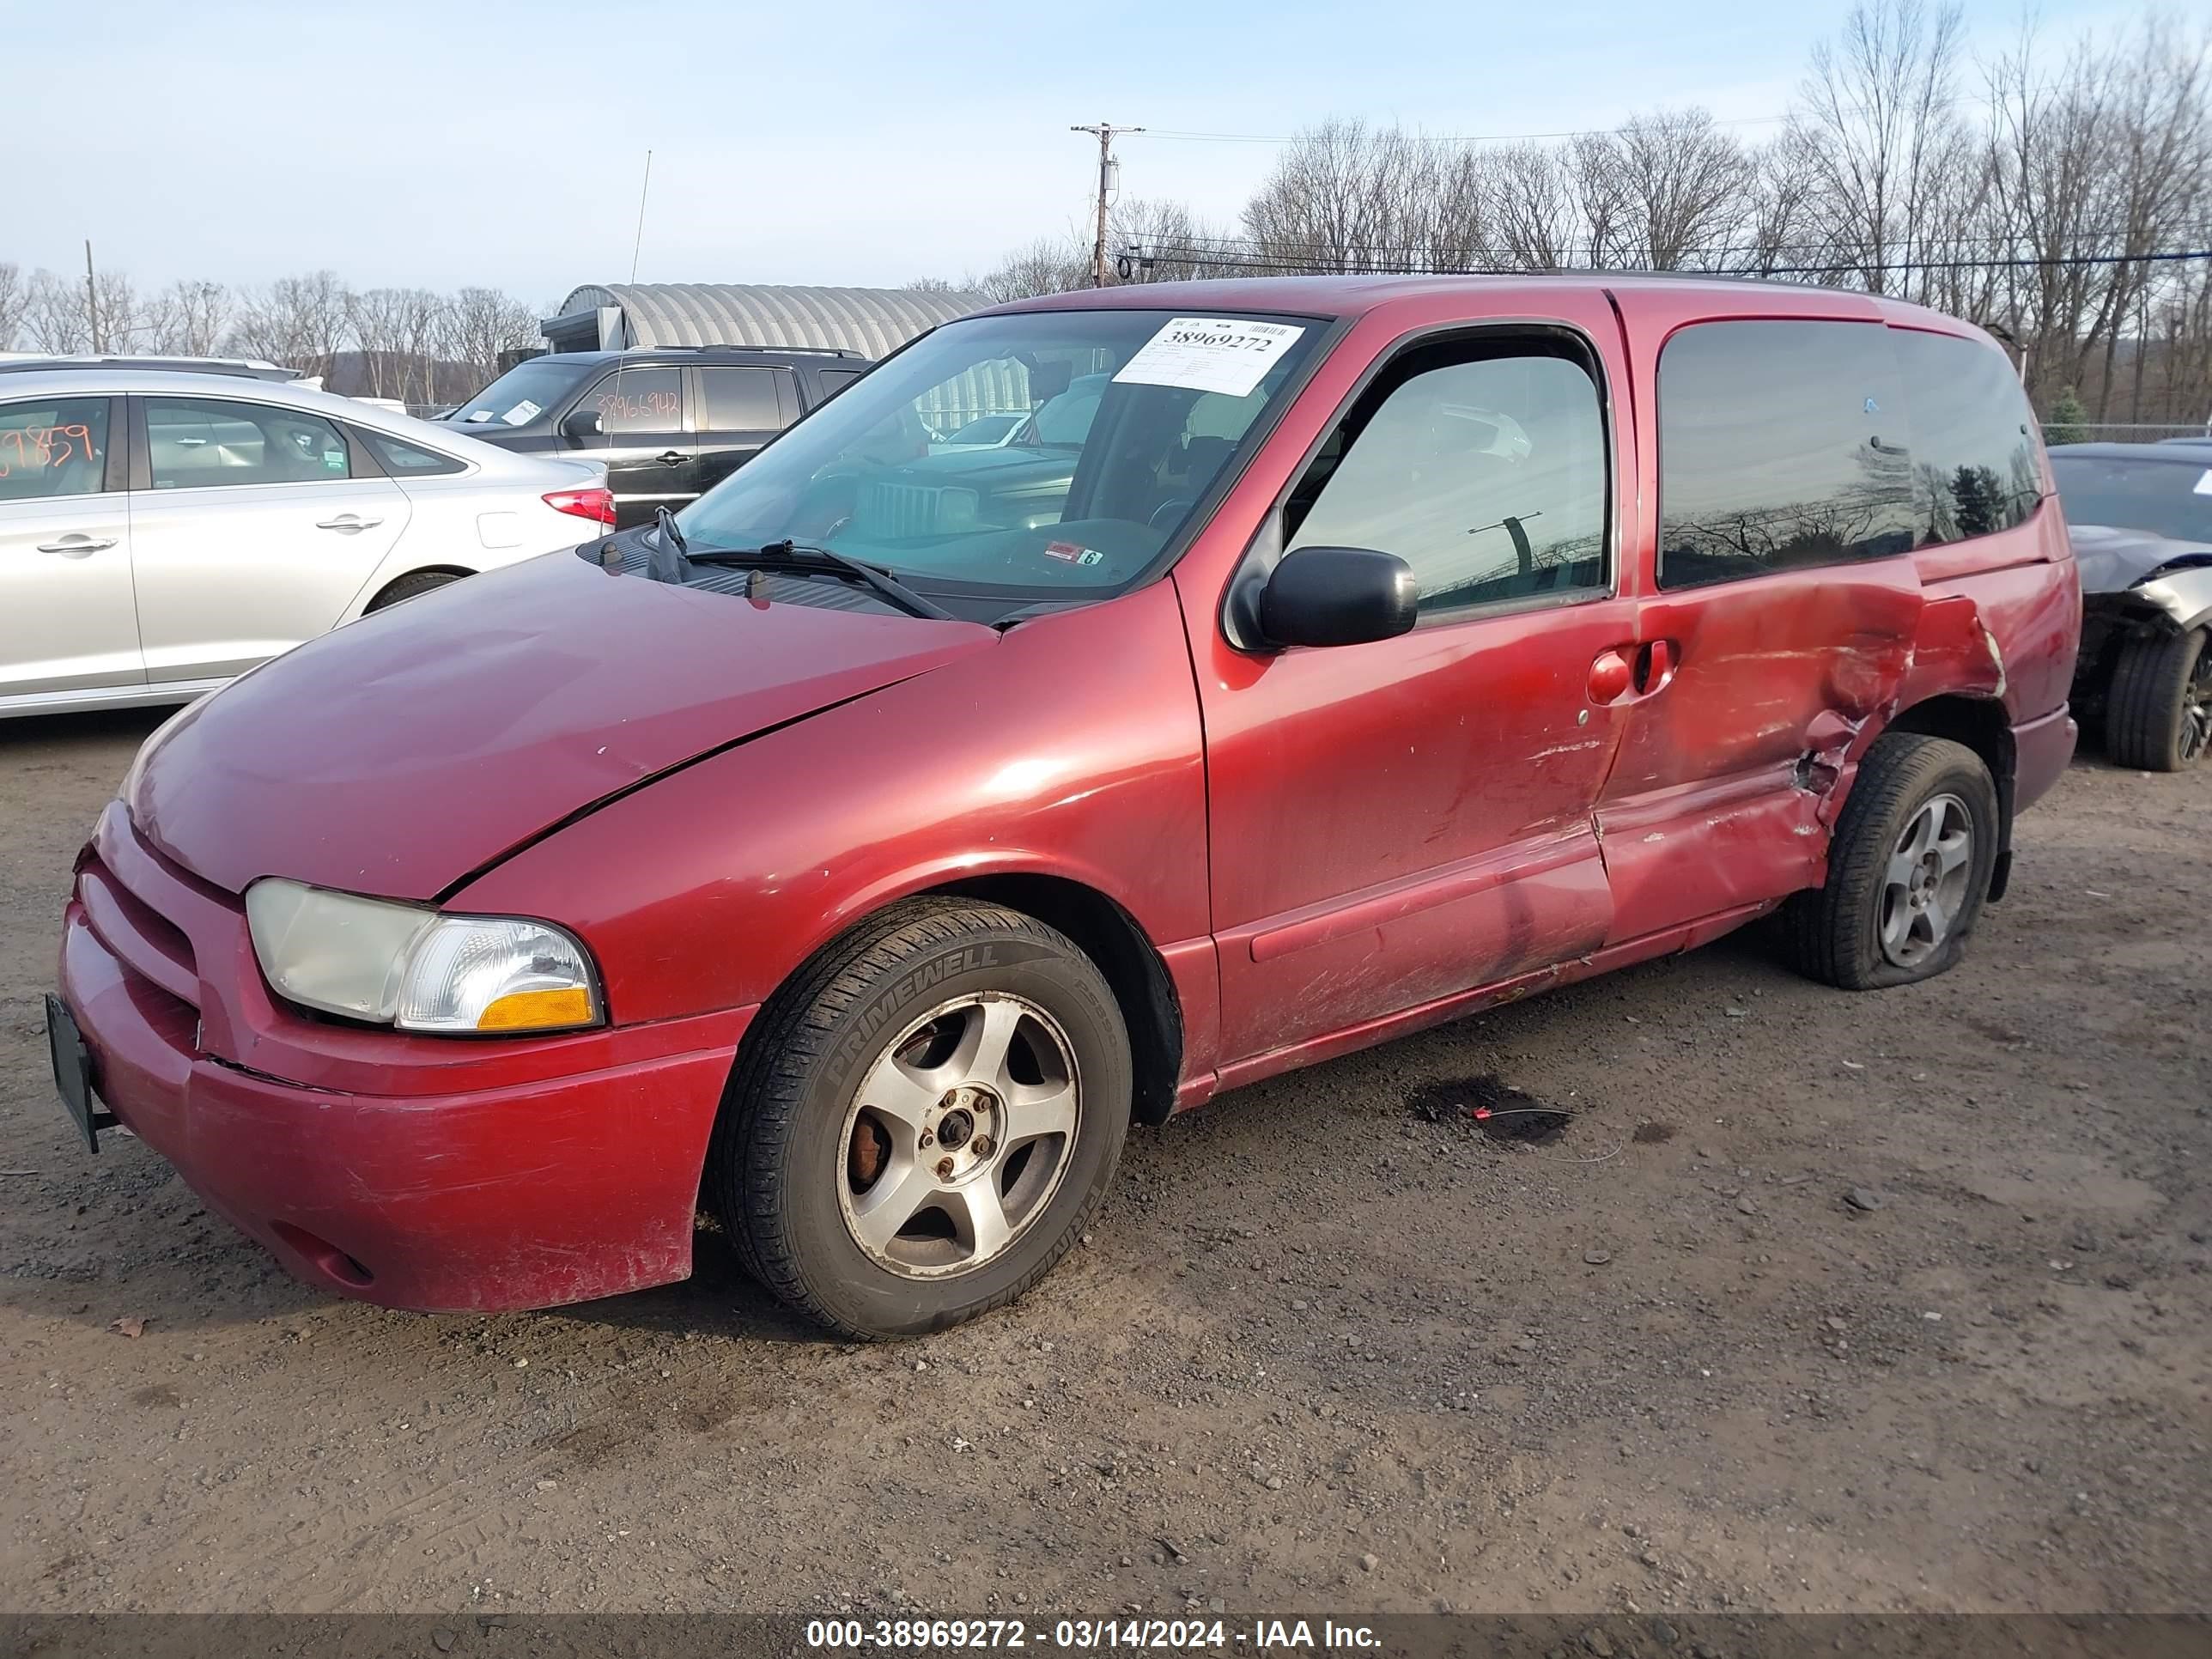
<point>14,302</point>
<point>297,321</point>
<point>1163,242</point>
<point>189,319</point>
<point>55,317</point>
<point>1050,265</point>
<point>1343,196</point>
<point>1878,129</point>
<point>1532,207</point>
<point>481,323</point>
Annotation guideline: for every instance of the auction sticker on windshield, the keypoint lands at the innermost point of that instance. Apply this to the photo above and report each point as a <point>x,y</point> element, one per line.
<point>522,413</point>
<point>1226,355</point>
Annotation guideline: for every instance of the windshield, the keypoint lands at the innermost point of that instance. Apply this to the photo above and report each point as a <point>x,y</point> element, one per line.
<point>522,394</point>
<point>2158,497</point>
<point>1121,421</point>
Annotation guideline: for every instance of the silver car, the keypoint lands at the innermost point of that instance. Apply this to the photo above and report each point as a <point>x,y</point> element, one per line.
<point>162,533</point>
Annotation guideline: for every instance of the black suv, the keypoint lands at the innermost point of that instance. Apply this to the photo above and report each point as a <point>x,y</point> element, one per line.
<point>670,421</point>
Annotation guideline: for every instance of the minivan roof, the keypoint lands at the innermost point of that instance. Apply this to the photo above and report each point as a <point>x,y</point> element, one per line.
<point>1361,295</point>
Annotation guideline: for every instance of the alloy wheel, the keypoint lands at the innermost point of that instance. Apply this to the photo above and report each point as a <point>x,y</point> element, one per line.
<point>1924,886</point>
<point>958,1135</point>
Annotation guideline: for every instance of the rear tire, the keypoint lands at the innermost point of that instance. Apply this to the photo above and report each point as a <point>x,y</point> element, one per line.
<point>923,1120</point>
<point>420,582</point>
<point>2158,715</point>
<point>1908,868</point>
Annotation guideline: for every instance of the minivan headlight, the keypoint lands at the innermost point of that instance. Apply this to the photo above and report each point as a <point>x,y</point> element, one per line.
<point>418,969</point>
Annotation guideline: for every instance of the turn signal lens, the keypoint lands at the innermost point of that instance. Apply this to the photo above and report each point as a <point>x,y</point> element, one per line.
<point>534,1011</point>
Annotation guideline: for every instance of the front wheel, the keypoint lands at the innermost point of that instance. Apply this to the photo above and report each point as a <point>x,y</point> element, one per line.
<point>2157,715</point>
<point>1908,868</point>
<point>923,1120</point>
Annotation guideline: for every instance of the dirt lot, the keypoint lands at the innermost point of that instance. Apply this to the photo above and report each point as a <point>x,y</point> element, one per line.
<point>1320,1352</point>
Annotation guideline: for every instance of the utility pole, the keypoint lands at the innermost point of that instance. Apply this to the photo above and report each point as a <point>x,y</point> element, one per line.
<point>91,299</point>
<point>1105,135</point>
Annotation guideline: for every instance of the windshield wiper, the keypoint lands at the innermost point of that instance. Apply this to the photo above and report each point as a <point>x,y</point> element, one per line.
<point>798,556</point>
<point>669,532</point>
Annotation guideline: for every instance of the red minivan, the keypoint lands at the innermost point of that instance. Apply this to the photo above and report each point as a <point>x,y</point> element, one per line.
<point>857,852</point>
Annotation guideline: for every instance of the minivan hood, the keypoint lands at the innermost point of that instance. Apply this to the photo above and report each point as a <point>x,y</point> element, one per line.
<point>396,755</point>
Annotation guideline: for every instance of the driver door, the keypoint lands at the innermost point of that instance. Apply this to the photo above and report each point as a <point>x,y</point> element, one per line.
<point>651,456</point>
<point>1397,822</point>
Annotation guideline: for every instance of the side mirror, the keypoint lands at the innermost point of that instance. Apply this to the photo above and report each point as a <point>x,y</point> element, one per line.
<point>1338,596</point>
<point>580,423</point>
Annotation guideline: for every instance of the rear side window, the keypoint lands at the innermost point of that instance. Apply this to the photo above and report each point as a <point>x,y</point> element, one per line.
<point>404,461</point>
<point>197,442</point>
<point>1485,473</point>
<point>1781,444</point>
<point>56,447</point>
<point>744,399</point>
<point>1973,456</point>
<point>834,380</point>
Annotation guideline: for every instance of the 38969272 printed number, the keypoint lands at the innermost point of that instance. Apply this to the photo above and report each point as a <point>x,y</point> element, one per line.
<point>1063,1635</point>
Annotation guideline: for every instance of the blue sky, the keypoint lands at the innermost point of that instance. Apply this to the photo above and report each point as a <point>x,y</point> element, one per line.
<point>482,140</point>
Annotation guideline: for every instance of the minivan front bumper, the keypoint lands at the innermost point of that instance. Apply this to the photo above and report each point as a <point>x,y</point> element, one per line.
<point>526,1190</point>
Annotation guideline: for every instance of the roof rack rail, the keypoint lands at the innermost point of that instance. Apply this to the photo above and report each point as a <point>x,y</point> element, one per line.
<point>793,350</point>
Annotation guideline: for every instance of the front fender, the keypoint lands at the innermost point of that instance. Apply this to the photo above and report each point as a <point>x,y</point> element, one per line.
<point>1070,750</point>
<point>2183,596</point>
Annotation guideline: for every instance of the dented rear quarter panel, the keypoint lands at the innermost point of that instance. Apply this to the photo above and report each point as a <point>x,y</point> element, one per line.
<point>1729,783</point>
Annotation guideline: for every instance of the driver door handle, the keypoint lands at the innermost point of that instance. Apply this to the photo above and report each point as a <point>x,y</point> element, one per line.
<point>669,458</point>
<point>348,521</point>
<point>76,546</point>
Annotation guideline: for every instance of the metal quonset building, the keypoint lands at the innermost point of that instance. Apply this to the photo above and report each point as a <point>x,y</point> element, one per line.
<point>873,321</point>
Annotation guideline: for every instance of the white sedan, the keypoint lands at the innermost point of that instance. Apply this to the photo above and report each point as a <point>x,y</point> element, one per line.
<point>162,533</point>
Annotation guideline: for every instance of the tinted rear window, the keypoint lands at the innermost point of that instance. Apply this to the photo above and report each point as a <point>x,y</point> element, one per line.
<point>2155,495</point>
<point>743,399</point>
<point>1781,444</point>
<point>1973,454</point>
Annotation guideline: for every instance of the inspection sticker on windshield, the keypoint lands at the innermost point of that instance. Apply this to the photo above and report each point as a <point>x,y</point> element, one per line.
<point>1210,354</point>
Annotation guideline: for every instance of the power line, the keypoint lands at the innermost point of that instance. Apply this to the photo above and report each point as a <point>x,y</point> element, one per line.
<point>1982,100</point>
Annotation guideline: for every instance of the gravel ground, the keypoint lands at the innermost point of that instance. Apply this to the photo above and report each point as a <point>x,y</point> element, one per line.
<point>1329,1344</point>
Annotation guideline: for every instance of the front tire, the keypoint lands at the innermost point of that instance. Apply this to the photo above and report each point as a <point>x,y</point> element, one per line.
<point>2157,715</point>
<point>923,1120</point>
<point>1908,868</point>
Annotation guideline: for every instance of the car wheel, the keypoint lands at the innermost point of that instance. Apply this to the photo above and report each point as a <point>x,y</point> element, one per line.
<point>2157,715</point>
<point>923,1120</point>
<point>420,582</point>
<point>1908,868</point>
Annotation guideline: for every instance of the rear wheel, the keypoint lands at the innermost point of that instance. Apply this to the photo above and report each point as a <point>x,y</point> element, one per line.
<point>924,1120</point>
<point>420,582</point>
<point>2158,715</point>
<point>1908,868</point>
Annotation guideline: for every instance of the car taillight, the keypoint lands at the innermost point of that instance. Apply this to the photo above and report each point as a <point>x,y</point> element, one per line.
<point>595,504</point>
